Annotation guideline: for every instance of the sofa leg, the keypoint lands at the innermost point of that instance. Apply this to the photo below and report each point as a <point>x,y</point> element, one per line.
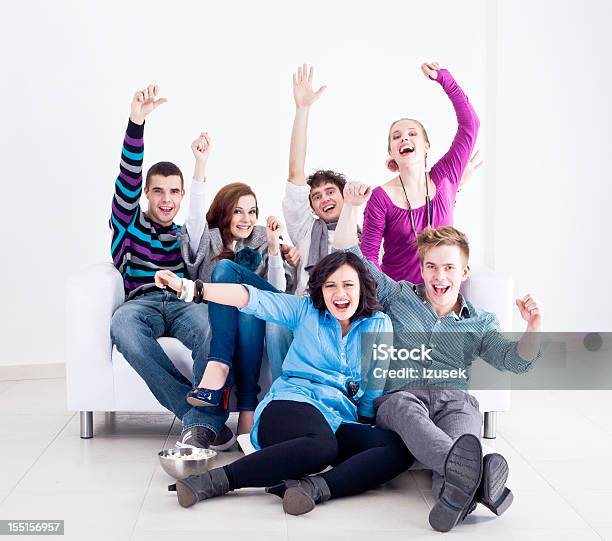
<point>86,424</point>
<point>490,425</point>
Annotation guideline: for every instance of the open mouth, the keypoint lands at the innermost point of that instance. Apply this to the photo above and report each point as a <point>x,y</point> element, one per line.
<point>165,210</point>
<point>440,290</point>
<point>406,149</point>
<point>328,208</point>
<point>243,228</point>
<point>341,304</point>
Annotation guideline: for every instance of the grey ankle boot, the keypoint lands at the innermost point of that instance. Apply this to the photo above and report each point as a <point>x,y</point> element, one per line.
<point>196,488</point>
<point>302,495</point>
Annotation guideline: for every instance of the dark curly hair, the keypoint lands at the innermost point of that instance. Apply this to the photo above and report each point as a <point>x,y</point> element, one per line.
<point>330,264</point>
<point>326,176</point>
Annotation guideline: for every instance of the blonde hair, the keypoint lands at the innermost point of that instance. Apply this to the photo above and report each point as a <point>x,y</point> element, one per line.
<point>442,236</point>
<point>399,120</point>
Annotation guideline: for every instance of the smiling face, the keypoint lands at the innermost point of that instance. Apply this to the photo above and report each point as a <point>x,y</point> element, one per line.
<point>443,268</point>
<point>408,142</point>
<point>164,195</point>
<point>244,217</point>
<point>326,201</point>
<point>341,292</point>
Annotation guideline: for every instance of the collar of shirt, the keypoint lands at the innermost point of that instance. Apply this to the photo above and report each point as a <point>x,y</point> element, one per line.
<point>464,312</point>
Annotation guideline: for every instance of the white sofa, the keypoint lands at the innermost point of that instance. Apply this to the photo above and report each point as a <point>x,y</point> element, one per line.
<point>98,377</point>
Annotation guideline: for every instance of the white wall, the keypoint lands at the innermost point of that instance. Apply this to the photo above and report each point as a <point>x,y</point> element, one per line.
<point>552,153</point>
<point>70,69</point>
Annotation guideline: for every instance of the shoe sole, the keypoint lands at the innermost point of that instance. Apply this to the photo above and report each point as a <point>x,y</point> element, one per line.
<point>197,403</point>
<point>186,496</point>
<point>297,502</point>
<point>462,475</point>
<point>496,496</point>
<point>224,446</point>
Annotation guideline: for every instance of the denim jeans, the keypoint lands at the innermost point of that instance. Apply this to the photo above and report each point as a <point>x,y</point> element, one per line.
<point>135,327</point>
<point>278,341</point>
<point>238,339</point>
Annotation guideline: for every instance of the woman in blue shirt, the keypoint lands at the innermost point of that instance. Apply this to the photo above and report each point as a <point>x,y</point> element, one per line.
<point>310,417</point>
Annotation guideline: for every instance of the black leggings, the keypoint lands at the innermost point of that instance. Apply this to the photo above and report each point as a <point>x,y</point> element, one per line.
<point>297,441</point>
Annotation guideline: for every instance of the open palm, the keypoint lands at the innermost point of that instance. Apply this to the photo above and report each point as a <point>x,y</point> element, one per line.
<point>303,93</point>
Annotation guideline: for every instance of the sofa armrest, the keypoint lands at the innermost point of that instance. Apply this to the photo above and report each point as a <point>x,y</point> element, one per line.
<point>92,295</point>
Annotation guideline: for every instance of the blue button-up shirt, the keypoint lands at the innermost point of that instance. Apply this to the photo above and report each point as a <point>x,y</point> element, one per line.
<point>455,340</point>
<point>321,362</point>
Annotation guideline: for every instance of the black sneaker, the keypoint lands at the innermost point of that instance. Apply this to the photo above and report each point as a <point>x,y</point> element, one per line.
<point>225,440</point>
<point>196,437</point>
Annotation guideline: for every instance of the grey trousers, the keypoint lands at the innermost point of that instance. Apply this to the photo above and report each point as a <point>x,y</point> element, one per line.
<point>429,421</point>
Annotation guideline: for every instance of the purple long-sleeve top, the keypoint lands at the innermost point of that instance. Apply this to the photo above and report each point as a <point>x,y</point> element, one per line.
<point>386,222</point>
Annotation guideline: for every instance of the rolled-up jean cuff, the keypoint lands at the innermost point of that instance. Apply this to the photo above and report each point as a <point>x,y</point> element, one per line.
<point>247,404</point>
<point>210,427</point>
<point>219,360</point>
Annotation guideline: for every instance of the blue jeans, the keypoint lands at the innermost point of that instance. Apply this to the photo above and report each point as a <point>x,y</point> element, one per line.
<point>135,327</point>
<point>237,338</point>
<point>278,341</point>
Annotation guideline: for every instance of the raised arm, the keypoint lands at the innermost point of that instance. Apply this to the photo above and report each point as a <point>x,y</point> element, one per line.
<point>128,185</point>
<point>345,238</point>
<point>374,219</point>
<point>275,307</point>
<point>196,218</point>
<point>276,269</point>
<point>454,162</point>
<point>505,354</point>
<point>304,96</point>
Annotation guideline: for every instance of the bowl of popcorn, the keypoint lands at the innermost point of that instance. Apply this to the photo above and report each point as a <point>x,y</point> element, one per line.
<point>183,462</point>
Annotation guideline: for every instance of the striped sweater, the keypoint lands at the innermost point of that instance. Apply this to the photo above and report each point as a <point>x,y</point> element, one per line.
<point>139,247</point>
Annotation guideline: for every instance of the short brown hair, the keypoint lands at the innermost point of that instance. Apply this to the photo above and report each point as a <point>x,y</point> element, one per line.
<point>442,236</point>
<point>164,169</point>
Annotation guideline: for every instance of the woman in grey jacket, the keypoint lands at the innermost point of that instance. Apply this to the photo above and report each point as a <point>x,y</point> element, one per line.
<point>229,231</point>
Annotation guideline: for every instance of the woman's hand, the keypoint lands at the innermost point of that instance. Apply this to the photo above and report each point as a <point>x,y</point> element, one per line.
<point>274,228</point>
<point>303,94</point>
<point>430,69</point>
<point>201,147</point>
<point>166,278</point>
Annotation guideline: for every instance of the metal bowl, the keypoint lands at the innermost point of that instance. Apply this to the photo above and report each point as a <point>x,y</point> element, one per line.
<point>182,462</point>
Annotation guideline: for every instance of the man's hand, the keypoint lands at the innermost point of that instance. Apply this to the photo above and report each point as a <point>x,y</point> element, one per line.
<point>531,311</point>
<point>430,69</point>
<point>274,228</point>
<point>201,150</point>
<point>303,94</point>
<point>474,164</point>
<point>144,102</point>
<point>291,254</point>
<point>201,147</point>
<point>356,193</point>
<point>166,278</point>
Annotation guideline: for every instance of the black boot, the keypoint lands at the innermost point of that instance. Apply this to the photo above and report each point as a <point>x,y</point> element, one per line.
<point>196,488</point>
<point>301,496</point>
<point>492,491</point>
<point>462,475</point>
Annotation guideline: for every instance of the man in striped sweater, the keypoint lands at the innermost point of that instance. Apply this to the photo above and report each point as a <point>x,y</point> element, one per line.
<point>143,243</point>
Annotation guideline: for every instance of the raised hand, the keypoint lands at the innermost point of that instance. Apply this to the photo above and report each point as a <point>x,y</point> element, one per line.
<point>291,254</point>
<point>356,193</point>
<point>303,93</point>
<point>430,69</point>
<point>531,311</point>
<point>474,164</point>
<point>145,101</point>
<point>166,278</point>
<point>274,228</point>
<point>201,147</point>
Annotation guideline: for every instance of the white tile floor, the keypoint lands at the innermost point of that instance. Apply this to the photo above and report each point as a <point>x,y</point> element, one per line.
<point>558,446</point>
